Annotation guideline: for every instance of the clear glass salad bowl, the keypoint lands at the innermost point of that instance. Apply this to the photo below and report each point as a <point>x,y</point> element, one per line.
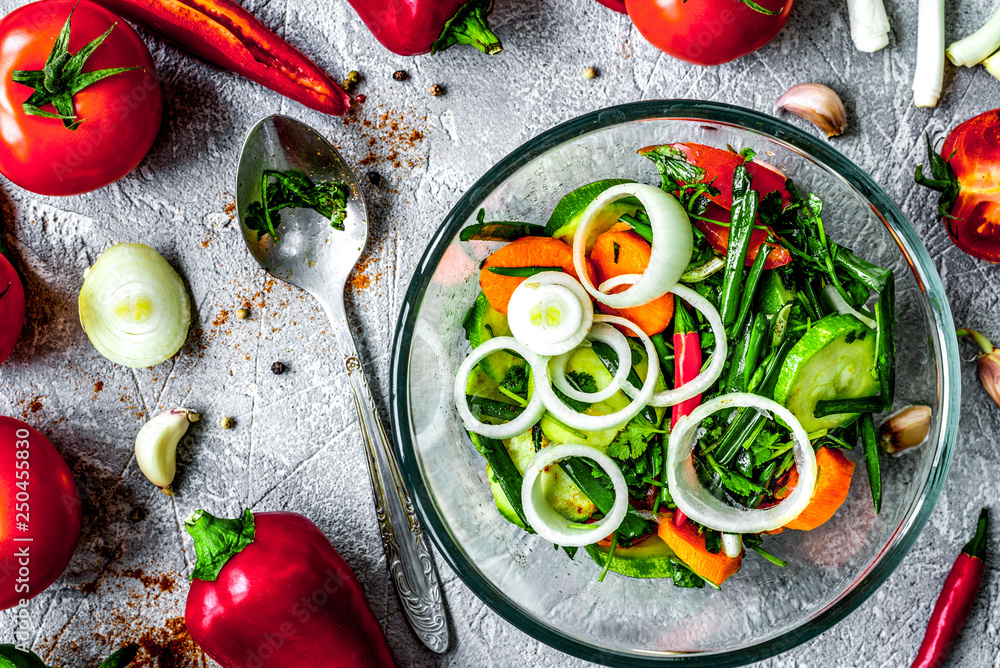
<point>763,609</point>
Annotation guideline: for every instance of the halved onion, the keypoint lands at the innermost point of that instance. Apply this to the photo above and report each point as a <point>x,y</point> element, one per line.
<point>134,307</point>
<point>606,334</point>
<point>671,249</point>
<point>532,412</point>
<point>550,313</point>
<point>640,397</point>
<point>697,503</point>
<point>552,526</point>
<point>706,378</point>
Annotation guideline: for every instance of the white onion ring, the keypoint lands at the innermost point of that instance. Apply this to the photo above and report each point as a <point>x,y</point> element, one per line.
<point>698,504</point>
<point>532,412</point>
<point>841,306</point>
<point>542,338</point>
<point>670,252</point>
<point>552,526</point>
<point>640,397</point>
<point>606,334</point>
<point>706,378</point>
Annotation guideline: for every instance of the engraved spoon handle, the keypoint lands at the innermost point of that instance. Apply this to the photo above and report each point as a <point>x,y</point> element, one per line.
<point>407,551</point>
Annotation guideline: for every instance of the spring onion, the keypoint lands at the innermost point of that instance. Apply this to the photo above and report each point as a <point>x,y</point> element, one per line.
<point>992,65</point>
<point>732,544</point>
<point>978,46</point>
<point>673,242</point>
<point>546,521</point>
<point>928,73</point>
<point>869,24</point>
<point>701,506</point>
<point>134,307</point>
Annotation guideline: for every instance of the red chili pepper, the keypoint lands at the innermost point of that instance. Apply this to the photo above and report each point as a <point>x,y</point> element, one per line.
<point>617,5</point>
<point>966,174</point>
<point>224,33</point>
<point>414,27</point>
<point>955,601</point>
<point>270,590</point>
<point>687,365</point>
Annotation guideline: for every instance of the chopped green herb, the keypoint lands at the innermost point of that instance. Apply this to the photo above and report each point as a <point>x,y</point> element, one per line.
<point>292,189</point>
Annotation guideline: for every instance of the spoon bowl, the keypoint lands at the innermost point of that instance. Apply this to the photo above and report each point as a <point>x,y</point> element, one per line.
<point>313,255</point>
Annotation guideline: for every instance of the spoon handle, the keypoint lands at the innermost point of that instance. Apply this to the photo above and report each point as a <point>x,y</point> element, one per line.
<point>407,550</point>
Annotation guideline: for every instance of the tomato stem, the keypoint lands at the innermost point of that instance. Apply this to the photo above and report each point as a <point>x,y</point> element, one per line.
<point>762,10</point>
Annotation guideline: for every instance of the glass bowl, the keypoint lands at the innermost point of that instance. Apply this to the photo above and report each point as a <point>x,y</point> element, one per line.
<point>763,609</point>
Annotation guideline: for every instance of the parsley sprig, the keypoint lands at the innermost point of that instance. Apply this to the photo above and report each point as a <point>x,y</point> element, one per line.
<point>292,189</point>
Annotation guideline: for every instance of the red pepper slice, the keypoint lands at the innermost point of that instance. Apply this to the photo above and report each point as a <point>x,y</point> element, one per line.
<point>224,33</point>
<point>719,165</point>
<point>617,5</point>
<point>955,601</point>
<point>718,238</point>
<point>269,590</point>
<point>968,176</point>
<point>687,366</point>
<point>414,27</point>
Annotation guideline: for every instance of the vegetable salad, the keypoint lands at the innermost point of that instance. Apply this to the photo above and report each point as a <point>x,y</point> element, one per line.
<point>666,375</point>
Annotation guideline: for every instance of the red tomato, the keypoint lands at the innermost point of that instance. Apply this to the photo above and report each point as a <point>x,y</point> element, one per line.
<point>11,306</point>
<point>39,513</point>
<point>707,32</point>
<point>120,114</point>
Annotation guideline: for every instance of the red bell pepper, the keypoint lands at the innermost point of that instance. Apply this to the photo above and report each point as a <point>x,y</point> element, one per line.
<point>716,166</point>
<point>415,27</point>
<point>269,590</point>
<point>955,601</point>
<point>967,174</point>
<point>224,33</point>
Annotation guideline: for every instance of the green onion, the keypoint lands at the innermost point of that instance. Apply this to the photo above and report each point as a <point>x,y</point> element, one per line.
<point>744,212</point>
<point>134,307</point>
<point>521,272</point>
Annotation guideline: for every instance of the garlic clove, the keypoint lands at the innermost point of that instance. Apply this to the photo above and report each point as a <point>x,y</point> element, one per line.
<point>818,104</point>
<point>156,445</point>
<point>905,429</point>
<point>989,374</point>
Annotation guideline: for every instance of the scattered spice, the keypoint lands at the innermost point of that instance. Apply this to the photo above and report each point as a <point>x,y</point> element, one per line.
<point>400,75</point>
<point>227,422</point>
<point>36,405</point>
<point>170,647</point>
<point>137,514</point>
<point>374,178</point>
<point>589,73</point>
<point>437,90</point>
<point>242,314</point>
<point>221,319</point>
<point>277,368</point>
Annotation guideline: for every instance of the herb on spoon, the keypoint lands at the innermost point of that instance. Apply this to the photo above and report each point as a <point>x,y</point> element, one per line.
<point>293,189</point>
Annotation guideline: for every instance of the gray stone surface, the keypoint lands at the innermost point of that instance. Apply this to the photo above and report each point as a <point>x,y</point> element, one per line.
<point>295,445</point>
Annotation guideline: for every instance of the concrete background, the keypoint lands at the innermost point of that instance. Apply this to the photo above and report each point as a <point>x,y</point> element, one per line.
<point>295,446</point>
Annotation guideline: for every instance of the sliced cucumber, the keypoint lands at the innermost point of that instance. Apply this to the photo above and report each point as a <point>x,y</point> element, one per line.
<point>565,217</point>
<point>774,294</point>
<point>832,361</point>
<point>651,558</point>
<point>503,503</point>
<point>485,324</point>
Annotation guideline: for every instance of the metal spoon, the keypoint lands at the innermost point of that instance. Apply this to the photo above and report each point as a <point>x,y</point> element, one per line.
<point>314,256</point>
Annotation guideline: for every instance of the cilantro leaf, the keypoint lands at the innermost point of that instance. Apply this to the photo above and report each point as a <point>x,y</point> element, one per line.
<point>632,441</point>
<point>516,380</point>
<point>584,382</point>
<point>738,484</point>
<point>685,577</point>
<point>293,189</point>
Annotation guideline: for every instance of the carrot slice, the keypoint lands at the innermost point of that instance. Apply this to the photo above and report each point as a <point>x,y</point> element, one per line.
<point>832,485</point>
<point>524,252</point>
<point>689,546</point>
<point>718,238</point>
<point>621,251</point>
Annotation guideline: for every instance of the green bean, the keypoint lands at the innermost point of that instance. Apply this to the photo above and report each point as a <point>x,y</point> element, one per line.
<point>505,474</point>
<point>750,288</point>
<point>744,213</point>
<point>521,272</point>
<point>870,440</point>
<point>494,409</point>
<point>861,405</point>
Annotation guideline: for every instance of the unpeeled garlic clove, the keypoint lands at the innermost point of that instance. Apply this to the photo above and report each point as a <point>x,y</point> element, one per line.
<point>905,429</point>
<point>818,104</point>
<point>989,363</point>
<point>156,445</point>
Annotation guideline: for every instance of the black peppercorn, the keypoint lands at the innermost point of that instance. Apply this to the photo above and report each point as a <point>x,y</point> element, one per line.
<point>400,75</point>
<point>374,178</point>
<point>277,368</point>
